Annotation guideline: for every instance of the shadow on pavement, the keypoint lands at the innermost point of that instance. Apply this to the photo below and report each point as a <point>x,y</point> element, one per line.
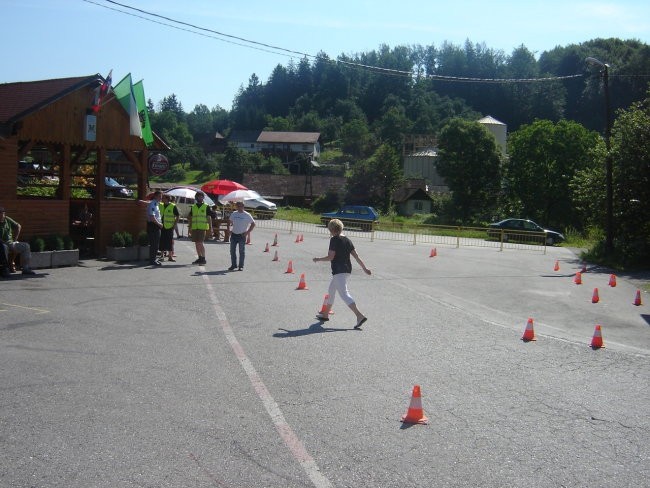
<point>315,328</point>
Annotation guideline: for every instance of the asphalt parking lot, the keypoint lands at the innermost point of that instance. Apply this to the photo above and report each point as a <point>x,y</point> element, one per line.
<point>125,375</point>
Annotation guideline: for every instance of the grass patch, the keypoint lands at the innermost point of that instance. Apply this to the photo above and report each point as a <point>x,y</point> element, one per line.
<point>297,214</point>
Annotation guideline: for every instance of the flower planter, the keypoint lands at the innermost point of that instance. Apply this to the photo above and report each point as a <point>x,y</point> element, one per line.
<point>41,260</point>
<point>122,253</point>
<point>67,257</point>
<point>143,253</point>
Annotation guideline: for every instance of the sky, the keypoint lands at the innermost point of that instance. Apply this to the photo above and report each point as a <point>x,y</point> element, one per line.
<point>45,39</point>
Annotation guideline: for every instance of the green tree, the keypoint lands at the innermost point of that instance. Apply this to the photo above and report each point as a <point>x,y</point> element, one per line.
<point>199,121</point>
<point>355,137</point>
<point>374,180</point>
<point>544,158</point>
<point>470,163</point>
<point>631,162</point>
<point>235,163</point>
<point>172,104</point>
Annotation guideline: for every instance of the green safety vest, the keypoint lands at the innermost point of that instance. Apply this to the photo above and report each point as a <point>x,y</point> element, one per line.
<point>200,217</point>
<point>167,214</point>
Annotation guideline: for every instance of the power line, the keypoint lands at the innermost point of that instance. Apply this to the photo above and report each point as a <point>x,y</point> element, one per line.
<point>261,46</point>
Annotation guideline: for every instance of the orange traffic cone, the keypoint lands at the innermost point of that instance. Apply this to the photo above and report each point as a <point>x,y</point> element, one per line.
<point>637,298</point>
<point>275,258</point>
<point>266,249</point>
<point>557,266</point>
<point>297,238</point>
<point>595,298</point>
<point>275,240</point>
<point>289,268</point>
<point>302,237</point>
<point>578,279</point>
<point>612,280</point>
<point>323,309</point>
<point>597,339</point>
<point>248,239</point>
<point>415,414</point>
<point>433,253</point>
<point>302,285</point>
<point>529,333</point>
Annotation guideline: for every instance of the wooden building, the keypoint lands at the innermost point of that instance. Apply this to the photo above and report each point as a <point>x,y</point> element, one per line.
<point>56,159</point>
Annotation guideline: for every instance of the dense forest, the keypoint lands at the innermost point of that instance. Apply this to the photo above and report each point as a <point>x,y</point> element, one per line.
<point>366,105</point>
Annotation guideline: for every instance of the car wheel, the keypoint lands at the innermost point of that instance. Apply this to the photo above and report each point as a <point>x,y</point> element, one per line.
<point>550,241</point>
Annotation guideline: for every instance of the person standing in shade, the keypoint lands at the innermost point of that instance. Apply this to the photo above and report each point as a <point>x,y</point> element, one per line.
<point>340,250</point>
<point>199,221</point>
<point>9,233</point>
<point>242,224</point>
<point>154,226</point>
<point>170,215</point>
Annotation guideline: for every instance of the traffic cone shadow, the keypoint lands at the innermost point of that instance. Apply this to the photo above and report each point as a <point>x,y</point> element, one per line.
<point>415,413</point>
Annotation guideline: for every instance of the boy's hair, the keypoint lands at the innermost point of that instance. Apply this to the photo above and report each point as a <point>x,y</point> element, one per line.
<point>335,225</point>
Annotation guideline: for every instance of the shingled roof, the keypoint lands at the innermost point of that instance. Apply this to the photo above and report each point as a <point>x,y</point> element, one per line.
<point>17,100</point>
<point>289,137</point>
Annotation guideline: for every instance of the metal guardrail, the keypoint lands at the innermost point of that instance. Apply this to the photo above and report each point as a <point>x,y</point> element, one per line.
<point>440,235</point>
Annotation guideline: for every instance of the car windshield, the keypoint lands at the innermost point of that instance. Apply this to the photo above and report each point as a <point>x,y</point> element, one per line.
<point>111,182</point>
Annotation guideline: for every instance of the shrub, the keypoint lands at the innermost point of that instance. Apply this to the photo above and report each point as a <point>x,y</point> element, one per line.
<point>128,239</point>
<point>68,243</point>
<point>330,201</point>
<point>54,242</point>
<point>117,239</point>
<point>37,244</point>
<point>143,238</point>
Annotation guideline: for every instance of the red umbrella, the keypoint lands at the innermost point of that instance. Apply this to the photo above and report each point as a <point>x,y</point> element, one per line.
<point>222,187</point>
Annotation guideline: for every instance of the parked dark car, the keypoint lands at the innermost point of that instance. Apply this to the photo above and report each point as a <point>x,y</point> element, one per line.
<point>519,228</point>
<point>353,216</point>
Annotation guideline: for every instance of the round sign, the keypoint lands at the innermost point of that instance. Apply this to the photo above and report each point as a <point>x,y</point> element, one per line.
<point>158,164</point>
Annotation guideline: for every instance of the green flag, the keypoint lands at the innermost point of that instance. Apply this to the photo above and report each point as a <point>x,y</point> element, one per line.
<point>124,93</point>
<point>143,113</point>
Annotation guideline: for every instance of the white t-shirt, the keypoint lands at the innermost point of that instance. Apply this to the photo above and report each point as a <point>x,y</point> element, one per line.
<point>241,221</point>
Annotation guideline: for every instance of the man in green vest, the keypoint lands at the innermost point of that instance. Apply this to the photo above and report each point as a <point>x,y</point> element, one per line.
<point>169,215</point>
<point>199,221</point>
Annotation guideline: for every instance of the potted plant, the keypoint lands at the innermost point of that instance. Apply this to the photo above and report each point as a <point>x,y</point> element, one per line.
<point>121,248</point>
<point>143,245</point>
<point>68,255</point>
<point>40,257</point>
